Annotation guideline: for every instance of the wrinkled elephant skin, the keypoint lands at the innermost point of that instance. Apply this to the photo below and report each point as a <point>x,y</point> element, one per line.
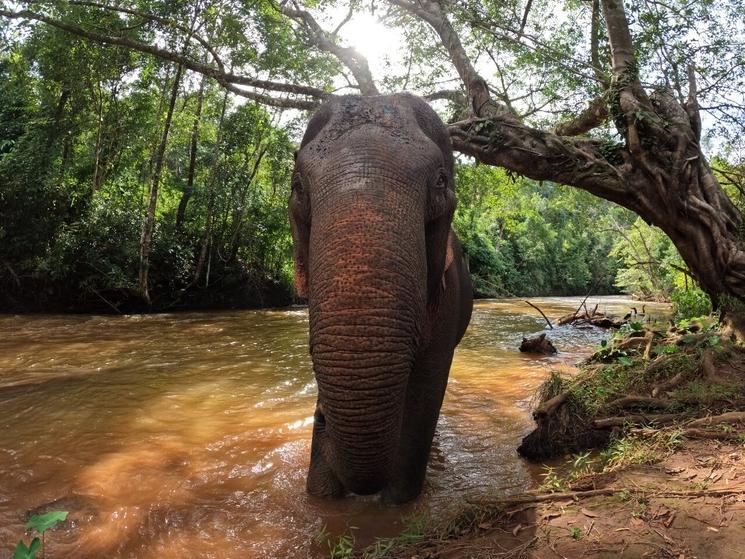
<point>388,290</point>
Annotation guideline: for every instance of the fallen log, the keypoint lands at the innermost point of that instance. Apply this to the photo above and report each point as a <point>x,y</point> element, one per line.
<point>596,319</point>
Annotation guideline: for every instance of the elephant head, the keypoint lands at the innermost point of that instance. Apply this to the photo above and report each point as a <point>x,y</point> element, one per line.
<point>370,210</point>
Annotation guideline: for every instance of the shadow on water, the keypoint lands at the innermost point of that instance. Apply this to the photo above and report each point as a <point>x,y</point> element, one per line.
<point>188,435</point>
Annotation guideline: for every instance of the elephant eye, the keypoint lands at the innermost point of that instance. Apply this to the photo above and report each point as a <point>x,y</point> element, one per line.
<point>442,180</point>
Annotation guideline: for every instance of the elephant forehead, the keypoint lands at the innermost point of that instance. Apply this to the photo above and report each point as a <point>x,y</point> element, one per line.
<point>389,119</point>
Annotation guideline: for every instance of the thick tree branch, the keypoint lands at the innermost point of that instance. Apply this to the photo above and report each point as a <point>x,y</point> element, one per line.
<point>456,96</point>
<point>505,142</point>
<point>691,106</point>
<point>524,21</point>
<point>594,115</point>
<point>348,56</point>
<point>595,34</point>
<point>621,45</point>
<point>431,12</point>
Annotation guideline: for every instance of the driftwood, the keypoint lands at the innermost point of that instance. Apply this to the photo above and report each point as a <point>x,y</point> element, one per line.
<point>542,314</point>
<point>593,318</point>
<point>538,344</point>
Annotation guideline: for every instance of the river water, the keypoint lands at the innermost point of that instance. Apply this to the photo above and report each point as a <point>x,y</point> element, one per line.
<point>188,435</point>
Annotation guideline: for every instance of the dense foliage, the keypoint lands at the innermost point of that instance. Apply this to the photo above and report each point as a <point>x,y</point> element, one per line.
<point>525,238</point>
<point>129,181</point>
<point>79,137</point>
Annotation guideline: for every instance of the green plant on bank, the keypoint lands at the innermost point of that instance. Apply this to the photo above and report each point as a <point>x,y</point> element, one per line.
<point>689,303</point>
<point>575,533</point>
<point>415,529</point>
<point>553,481</point>
<point>622,452</point>
<point>39,523</point>
<point>608,353</point>
<point>632,449</point>
<point>579,466</point>
<point>552,386</point>
<point>623,495</point>
<point>705,393</point>
<point>629,327</point>
<point>341,547</point>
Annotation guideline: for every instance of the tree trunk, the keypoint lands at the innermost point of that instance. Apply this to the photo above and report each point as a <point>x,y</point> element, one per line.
<point>235,238</point>
<point>659,172</point>
<point>207,238</point>
<point>148,225</point>
<point>189,190</point>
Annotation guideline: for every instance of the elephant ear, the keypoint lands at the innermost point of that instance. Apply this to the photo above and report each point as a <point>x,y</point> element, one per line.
<point>449,252</point>
<point>439,254</point>
<point>300,239</point>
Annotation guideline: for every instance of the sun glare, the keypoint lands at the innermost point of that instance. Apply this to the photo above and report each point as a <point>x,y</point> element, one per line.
<point>381,45</point>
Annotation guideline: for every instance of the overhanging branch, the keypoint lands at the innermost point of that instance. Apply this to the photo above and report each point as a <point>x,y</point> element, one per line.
<point>348,56</point>
<point>505,142</point>
<point>226,79</point>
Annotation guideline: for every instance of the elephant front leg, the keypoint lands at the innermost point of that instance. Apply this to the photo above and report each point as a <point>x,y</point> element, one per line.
<point>322,481</point>
<point>424,395</point>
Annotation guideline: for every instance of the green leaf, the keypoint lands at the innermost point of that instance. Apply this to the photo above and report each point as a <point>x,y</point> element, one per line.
<point>625,361</point>
<point>42,522</point>
<point>23,552</point>
<point>714,341</point>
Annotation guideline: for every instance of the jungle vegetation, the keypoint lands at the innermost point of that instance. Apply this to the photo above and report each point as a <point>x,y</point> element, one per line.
<point>146,147</point>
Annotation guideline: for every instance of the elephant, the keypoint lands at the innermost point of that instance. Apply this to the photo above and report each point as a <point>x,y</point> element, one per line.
<point>388,289</point>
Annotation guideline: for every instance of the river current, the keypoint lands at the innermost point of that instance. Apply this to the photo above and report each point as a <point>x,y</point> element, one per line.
<point>188,435</point>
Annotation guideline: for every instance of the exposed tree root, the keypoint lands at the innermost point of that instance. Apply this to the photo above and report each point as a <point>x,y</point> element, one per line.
<point>549,407</point>
<point>536,497</point>
<point>613,395</point>
<point>630,402</point>
<point>691,433</point>
<point>640,419</point>
<point>668,385</point>
<point>729,417</point>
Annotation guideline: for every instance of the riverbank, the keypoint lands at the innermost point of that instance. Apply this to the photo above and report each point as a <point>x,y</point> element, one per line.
<point>666,411</point>
<point>689,505</point>
<point>226,293</point>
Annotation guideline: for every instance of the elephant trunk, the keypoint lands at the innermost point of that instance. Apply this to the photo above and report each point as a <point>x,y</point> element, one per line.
<point>367,304</point>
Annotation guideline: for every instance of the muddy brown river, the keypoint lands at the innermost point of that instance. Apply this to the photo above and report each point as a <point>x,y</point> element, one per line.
<point>188,435</point>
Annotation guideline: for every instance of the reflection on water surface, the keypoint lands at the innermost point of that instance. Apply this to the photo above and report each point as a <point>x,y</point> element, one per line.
<point>188,435</point>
